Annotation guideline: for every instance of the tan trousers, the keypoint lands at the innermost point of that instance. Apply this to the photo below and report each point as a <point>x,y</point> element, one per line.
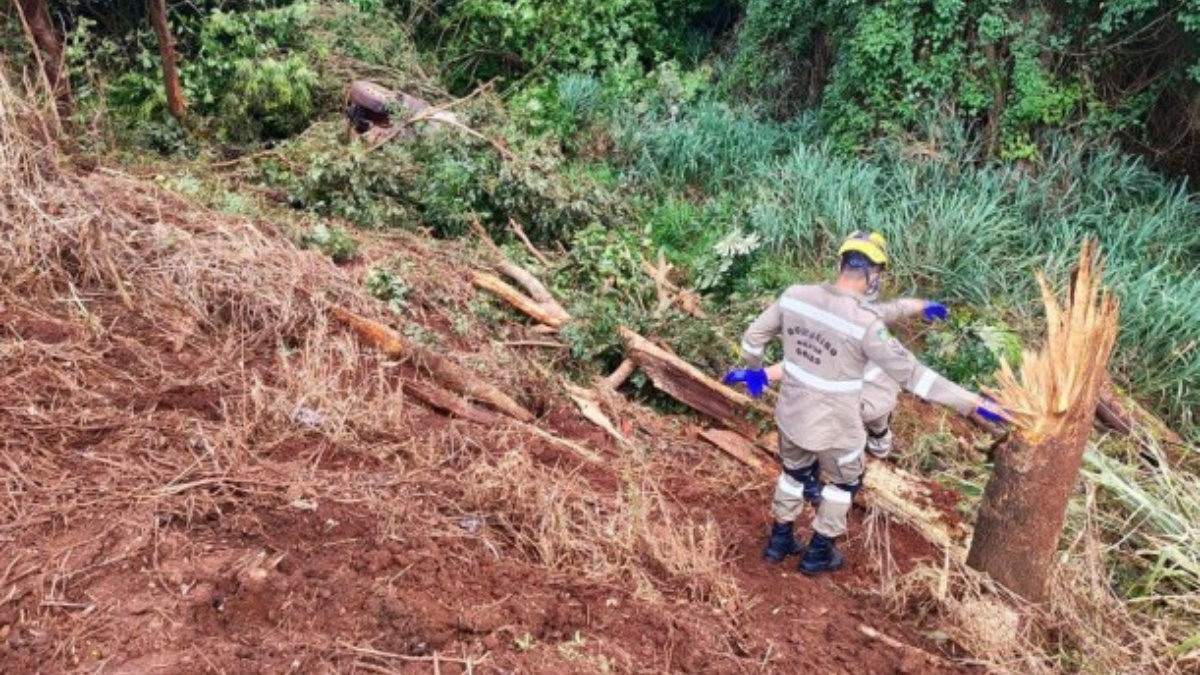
<point>837,467</point>
<point>879,436</point>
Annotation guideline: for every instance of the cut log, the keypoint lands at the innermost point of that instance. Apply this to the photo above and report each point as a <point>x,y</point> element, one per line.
<point>904,497</point>
<point>518,300</point>
<point>451,405</point>
<point>446,371</point>
<point>739,448</point>
<point>536,290</point>
<point>685,383</point>
<point>617,377</point>
<point>1052,405</point>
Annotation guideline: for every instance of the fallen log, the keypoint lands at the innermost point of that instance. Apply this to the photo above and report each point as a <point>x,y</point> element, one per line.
<point>519,301</point>
<point>739,448</point>
<point>446,371</point>
<point>685,383</point>
<point>904,497</point>
<point>451,405</point>
<point>536,290</point>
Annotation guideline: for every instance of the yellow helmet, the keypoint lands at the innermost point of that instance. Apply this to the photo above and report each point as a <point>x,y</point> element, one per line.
<point>872,245</point>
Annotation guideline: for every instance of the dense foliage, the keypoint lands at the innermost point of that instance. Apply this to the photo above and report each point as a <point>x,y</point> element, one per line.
<point>1012,69</point>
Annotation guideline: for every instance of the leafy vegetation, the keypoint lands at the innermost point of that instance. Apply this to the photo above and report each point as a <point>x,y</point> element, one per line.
<point>740,141</point>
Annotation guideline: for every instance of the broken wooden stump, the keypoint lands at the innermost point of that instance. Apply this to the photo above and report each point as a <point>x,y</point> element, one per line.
<point>1052,405</point>
<point>445,371</point>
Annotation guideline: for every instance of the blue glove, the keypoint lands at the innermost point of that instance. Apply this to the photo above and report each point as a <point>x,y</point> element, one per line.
<point>936,311</point>
<point>989,414</point>
<point>756,380</point>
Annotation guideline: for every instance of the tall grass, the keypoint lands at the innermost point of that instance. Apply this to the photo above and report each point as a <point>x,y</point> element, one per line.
<point>708,145</point>
<point>1160,517</point>
<point>968,231</point>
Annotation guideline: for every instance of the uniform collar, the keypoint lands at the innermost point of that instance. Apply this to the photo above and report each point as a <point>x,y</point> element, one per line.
<point>841,291</point>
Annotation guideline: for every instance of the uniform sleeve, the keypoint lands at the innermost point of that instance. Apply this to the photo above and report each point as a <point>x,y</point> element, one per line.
<point>896,310</point>
<point>893,358</point>
<point>763,330</point>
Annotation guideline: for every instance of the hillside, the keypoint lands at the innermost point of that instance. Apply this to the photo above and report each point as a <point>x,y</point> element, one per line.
<point>205,474</point>
<point>270,405</point>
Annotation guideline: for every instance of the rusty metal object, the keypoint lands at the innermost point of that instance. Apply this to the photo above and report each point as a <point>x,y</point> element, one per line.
<point>371,106</point>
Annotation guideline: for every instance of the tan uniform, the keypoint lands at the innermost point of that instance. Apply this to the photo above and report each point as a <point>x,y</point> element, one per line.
<point>880,391</point>
<point>829,335</point>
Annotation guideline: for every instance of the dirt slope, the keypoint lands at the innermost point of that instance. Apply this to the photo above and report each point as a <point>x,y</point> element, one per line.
<point>202,473</point>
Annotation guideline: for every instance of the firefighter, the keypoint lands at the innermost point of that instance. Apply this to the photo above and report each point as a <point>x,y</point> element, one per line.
<point>831,333</point>
<point>880,392</point>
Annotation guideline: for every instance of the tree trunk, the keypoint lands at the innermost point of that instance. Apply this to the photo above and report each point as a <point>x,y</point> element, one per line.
<point>448,373</point>
<point>685,383</point>
<point>1025,502</point>
<point>166,48</point>
<point>45,38</point>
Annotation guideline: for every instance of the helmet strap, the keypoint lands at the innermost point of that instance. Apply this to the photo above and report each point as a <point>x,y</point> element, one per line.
<point>874,279</point>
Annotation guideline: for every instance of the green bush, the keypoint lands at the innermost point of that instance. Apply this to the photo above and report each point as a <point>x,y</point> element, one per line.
<point>245,74</point>
<point>442,179</point>
<point>332,241</point>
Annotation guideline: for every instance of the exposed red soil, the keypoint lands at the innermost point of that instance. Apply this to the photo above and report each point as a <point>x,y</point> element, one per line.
<point>352,548</point>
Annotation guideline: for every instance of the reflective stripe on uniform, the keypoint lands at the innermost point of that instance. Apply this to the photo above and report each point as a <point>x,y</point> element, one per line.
<point>747,349</point>
<point>785,486</point>
<point>873,371</point>
<point>925,383</point>
<point>836,495</point>
<point>821,316</point>
<point>843,461</point>
<point>820,383</point>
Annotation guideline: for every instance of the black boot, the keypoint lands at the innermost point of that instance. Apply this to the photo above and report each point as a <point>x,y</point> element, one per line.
<point>821,556</point>
<point>782,544</point>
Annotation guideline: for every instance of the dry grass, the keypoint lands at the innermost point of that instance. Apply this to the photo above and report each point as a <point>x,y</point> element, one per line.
<point>1085,628</point>
<point>163,364</point>
<point>633,533</point>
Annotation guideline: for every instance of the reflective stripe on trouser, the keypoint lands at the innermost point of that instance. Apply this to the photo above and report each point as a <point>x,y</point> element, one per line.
<point>879,436</point>
<point>837,466</point>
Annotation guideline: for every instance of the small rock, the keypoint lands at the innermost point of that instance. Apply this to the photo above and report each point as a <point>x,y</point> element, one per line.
<point>138,607</point>
<point>307,417</point>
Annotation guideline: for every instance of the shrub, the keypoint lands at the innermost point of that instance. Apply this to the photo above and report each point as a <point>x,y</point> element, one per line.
<point>333,242</point>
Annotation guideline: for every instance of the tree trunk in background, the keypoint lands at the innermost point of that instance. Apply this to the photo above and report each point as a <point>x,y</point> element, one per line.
<point>45,38</point>
<point>1025,502</point>
<point>166,48</point>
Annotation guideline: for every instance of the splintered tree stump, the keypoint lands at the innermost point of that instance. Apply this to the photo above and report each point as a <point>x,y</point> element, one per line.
<point>1052,405</point>
<point>685,383</point>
